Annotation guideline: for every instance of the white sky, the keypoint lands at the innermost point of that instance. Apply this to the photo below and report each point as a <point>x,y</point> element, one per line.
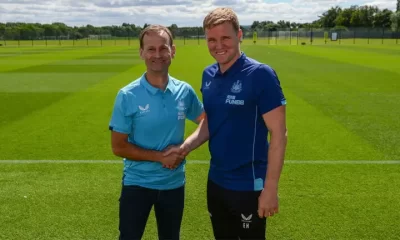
<point>167,12</point>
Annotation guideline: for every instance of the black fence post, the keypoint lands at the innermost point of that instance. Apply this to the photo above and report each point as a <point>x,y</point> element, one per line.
<point>383,33</point>
<point>368,34</point>
<point>198,36</point>
<point>129,37</point>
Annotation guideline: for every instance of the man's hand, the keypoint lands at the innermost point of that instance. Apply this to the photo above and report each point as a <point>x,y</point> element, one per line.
<point>268,203</point>
<point>181,151</point>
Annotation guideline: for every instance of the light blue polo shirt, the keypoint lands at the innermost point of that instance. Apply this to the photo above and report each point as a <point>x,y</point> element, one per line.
<point>154,119</point>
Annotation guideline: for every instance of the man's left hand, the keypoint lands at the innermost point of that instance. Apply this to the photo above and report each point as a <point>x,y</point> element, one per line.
<point>268,203</point>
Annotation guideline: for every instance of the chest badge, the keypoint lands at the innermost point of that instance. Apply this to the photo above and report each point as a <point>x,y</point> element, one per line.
<point>236,87</point>
<point>181,105</point>
<point>144,109</point>
<point>207,85</point>
<point>181,110</point>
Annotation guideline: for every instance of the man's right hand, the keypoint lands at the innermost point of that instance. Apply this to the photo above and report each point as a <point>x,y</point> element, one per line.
<point>174,155</point>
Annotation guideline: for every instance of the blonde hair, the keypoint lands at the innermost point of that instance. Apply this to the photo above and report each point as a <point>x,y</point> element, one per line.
<point>219,16</point>
<point>157,29</point>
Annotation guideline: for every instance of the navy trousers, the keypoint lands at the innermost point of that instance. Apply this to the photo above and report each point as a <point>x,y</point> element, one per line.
<point>135,206</point>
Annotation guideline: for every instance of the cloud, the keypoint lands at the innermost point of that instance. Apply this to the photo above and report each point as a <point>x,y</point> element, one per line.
<point>167,12</point>
<point>146,3</point>
<point>390,4</point>
<point>225,2</point>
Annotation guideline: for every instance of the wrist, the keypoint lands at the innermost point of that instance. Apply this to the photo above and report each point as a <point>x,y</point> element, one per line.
<point>157,156</point>
<point>187,146</point>
<point>272,185</point>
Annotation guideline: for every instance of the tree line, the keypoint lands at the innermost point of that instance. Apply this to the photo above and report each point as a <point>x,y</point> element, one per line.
<point>334,18</point>
<point>342,18</point>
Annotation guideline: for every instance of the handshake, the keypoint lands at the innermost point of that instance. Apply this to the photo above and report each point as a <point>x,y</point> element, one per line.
<point>173,155</point>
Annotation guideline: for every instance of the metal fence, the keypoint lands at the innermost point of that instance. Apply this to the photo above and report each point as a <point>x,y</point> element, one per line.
<point>196,35</point>
<point>297,36</point>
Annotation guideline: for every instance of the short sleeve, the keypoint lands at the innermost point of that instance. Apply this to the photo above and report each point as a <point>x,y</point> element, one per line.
<point>121,118</point>
<point>195,107</point>
<point>268,89</point>
<point>202,81</point>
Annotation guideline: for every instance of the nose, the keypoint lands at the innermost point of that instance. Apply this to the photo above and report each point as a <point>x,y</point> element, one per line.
<point>218,45</point>
<point>157,54</point>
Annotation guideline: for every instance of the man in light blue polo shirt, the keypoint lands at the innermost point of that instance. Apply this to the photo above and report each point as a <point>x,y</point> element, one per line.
<point>149,117</point>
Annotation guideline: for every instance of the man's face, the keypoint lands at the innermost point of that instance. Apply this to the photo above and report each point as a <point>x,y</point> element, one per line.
<point>223,42</point>
<point>157,52</point>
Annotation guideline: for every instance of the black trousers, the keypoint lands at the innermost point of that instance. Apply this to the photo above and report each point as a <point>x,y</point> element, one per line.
<point>135,206</point>
<point>234,214</point>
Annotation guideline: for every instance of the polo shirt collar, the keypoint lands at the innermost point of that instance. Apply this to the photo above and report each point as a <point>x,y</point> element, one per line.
<point>236,66</point>
<point>153,90</point>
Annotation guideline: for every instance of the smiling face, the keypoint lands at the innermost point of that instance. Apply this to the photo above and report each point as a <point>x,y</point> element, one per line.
<point>223,36</point>
<point>157,51</point>
<point>224,43</point>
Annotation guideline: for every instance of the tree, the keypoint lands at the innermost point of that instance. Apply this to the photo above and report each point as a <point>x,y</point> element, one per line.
<point>364,16</point>
<point>344,17</point>
<point>383,19</point>
<point>255,25</point>
<point>174,29</point>
<point>398,6</point>
<point>328,18</point>
<point>2,30</point>
<point>283,24</point>
<point>355,20</point>
<point>395,21</point>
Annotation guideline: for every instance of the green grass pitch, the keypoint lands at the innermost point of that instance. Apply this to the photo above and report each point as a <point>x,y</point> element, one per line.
<point>343,104</point>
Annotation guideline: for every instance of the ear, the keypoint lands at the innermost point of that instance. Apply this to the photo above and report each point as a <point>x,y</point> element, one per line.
<point>173,50</point>
<point>240,33</point>
<point>141,53</point>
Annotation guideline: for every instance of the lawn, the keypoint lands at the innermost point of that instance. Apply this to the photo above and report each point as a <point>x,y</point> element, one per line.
<point>342,175</point>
